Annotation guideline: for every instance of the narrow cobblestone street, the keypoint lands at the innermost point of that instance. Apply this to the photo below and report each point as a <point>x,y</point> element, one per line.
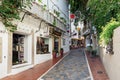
<point>72,67</point>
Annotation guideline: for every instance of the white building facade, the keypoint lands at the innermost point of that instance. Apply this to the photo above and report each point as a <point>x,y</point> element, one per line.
<point>41,29</point>
<point>76,37</point>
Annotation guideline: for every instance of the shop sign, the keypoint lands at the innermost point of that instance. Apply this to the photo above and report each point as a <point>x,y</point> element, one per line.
<point>72,16</point>
<point>56,33</point>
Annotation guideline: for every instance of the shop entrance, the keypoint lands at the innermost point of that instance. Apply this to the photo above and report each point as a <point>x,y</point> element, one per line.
<point>56,44</point>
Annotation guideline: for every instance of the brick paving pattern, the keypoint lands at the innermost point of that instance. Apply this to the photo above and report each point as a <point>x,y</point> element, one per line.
<point>97,68</point>
<point>72,67</point>
<point>34,73</point>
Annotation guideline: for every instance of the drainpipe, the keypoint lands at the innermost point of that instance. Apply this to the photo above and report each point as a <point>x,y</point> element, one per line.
<point>23,17</point>
<point>40,25</point>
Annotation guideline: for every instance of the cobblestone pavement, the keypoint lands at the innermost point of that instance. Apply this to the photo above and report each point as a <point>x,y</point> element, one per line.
<point>72,67</point>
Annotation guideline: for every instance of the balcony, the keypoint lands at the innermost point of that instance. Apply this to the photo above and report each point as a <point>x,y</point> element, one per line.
<point>47,15</point>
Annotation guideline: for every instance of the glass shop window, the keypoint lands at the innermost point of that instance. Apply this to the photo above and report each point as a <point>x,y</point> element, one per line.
<point>42,45</point>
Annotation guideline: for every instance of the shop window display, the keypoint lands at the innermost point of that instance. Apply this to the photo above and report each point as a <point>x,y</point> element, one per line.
<point>42,47</point>
<point>18,49</point>
<point>56,44</point>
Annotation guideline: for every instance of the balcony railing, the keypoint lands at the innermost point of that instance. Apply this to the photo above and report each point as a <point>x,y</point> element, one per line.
<point>47,16</point>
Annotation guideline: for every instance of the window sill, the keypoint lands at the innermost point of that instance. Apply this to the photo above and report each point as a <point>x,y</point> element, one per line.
<point>20,65</point>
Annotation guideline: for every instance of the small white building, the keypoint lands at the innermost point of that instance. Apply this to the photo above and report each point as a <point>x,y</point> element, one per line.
<point>76,38</point>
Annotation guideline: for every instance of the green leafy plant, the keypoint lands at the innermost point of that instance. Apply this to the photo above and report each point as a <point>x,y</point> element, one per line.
<point>40,1</point>
<point>44,7</point>
<point>89,48</point>
<point>108,30</point>
<point>54,22</point>
<point>63,19</point>
<point>57,13</point>
<point>10,9</point>
<point>99,12</point>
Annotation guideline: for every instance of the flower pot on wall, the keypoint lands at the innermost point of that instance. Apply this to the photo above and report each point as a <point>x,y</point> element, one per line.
<point>54,54</point>
<point>89,49</point>
<point>93,54</point>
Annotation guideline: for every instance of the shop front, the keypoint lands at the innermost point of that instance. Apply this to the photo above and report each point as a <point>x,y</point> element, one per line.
<point>22,49</point>
<point>43,49</point>
<point>75,43</point>
<point>21,52</point>
<point>56,34</point>
<point>43,42</point>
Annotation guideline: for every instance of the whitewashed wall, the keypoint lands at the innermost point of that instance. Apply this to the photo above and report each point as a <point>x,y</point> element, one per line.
<point>61,4</point>
<point>67,44</point>
<point>111,62</point>
<point>4,50</point>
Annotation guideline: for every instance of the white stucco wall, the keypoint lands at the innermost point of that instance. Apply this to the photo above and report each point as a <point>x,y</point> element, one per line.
<point>61,4</point>
<point>3,64</point>
<point>67,43</point>
<point>111,62</point>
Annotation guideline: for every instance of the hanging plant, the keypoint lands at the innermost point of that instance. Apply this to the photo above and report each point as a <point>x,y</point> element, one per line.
<point>107,33</point>
<point>57,13</point>
<point>63,19</point>
<point>9,10</point>
<point>54,22</point>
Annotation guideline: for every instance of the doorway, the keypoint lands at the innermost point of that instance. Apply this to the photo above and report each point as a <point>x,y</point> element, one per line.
<point>56,44</point>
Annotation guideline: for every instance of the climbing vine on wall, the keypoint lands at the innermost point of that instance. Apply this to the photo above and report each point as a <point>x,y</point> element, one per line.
<point>10,9</point>
<point>107,33</point>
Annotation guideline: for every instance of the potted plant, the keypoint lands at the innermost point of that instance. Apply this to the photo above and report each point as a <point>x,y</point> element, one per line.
<point>89,49</point>
<point>93,54</point>
<point>54,53</point>
<point>61,51</point>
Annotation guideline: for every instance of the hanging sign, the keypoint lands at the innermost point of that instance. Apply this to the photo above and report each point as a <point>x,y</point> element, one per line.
<point>72,16</point>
